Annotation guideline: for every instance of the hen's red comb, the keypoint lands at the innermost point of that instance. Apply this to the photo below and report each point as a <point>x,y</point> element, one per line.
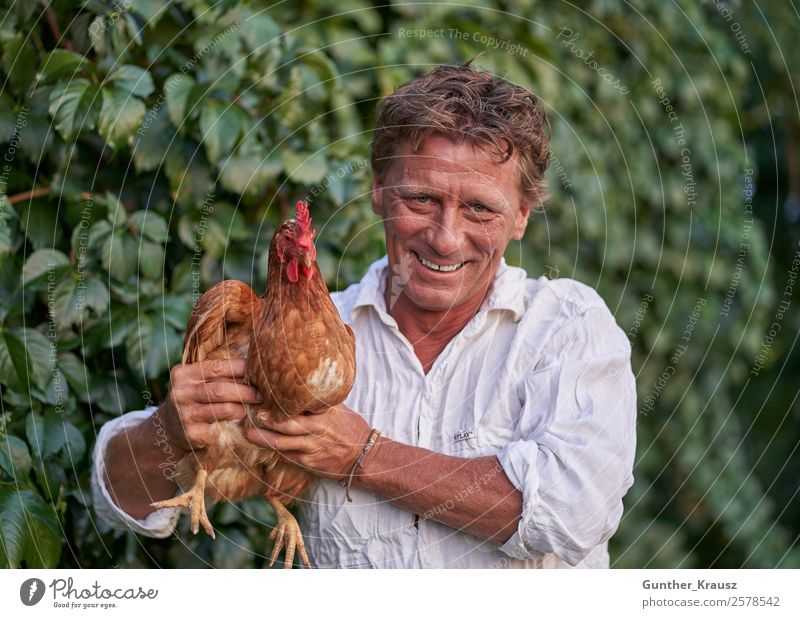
<point>303,217</point>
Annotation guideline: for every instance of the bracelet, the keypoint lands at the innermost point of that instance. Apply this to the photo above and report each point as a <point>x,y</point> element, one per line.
<point>359,462</point>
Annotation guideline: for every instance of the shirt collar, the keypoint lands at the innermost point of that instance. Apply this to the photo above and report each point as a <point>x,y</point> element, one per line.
<point>508,289</point>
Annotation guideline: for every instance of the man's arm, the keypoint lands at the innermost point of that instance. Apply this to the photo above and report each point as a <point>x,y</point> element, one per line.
<point>471,495</point>
<point>139,460</point>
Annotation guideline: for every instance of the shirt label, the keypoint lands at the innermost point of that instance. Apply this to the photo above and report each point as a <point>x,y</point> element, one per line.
<point>466,434</point>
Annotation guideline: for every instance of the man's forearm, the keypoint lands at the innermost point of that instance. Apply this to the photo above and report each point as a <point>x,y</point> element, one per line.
<point>473,495</point>
<point>139,462</point>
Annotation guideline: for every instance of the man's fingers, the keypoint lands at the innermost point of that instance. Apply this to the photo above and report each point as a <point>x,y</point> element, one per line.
<point>220,369</point>
<point>222,412</point>
<point>276,441</point>
<point>221,392</point>
<point>288,425</point>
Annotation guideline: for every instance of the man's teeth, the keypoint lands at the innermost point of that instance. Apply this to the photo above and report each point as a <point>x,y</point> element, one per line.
<point>442,268</point>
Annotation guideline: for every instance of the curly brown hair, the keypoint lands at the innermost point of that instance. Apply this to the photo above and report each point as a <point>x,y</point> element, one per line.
<point>462,104</point>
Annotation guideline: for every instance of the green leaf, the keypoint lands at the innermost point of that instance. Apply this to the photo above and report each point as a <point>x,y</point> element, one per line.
<point>149,224</point>
<point>15,458</point>
<point>120,116</point>
<point>219,124</point>
<point>72,297</point>
<point>249,173</point>
<point>32,355</point>
<point>119,255</point>
<point>257,29</point>
<point>305,168</point>
<point>151,260</point>
<point>151,143</point>
<point>30,533</point>
<point>44,264</point>
<point>41,227</point>
<point>19,61</point>
<point>152,346</point>
<point>60,63</point>
<point>178,90</point>
<point>133,80</point>
<point>73,106</point>
<point>50,434</point>
<point>75,372</point>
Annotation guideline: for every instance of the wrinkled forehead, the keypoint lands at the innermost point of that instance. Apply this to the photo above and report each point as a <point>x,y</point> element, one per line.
<point>453,166</point>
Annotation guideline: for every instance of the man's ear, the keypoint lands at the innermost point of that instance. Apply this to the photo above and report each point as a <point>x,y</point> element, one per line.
<point>377,197</point>
<point>521,221</point>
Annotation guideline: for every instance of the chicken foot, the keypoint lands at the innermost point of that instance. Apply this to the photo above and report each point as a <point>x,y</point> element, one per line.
<point>194,500</point>
<point>286,531</point>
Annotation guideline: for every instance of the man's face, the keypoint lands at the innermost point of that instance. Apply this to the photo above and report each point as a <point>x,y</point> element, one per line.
<point>449,212</point>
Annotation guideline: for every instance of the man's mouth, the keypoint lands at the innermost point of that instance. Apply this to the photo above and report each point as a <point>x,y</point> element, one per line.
<point>443,268</point>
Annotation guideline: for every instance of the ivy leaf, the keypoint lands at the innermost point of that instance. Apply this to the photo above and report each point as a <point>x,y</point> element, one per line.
<point>119,255</point>
<point>31,354</point>
<point>181,95</point>
<point>73,297</point>
<point>42,264</point>
<point>305,168</point>
<point>133,80</point>
<point>149,224</point>
<point>58,64</point>
<point>151,260</point>
<point>19,61</point>
<point>120,116</point>
<point>151,145</point>
<point>249,173</point>
<point>15,458</point>
<point>152,346</point>
<point>73,106</point>
<point>29,530</point>
<point>75,372</point>
<point>219,124</point>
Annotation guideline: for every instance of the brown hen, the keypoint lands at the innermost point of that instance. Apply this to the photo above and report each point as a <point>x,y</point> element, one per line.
<point>299,355</point>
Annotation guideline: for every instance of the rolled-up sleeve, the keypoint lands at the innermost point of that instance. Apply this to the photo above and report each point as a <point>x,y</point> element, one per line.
<point>575,466</point>
<point>158,524</point>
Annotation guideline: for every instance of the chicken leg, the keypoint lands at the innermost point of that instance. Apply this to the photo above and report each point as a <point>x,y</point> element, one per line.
<point>286,531</point>
<point>195,500</point>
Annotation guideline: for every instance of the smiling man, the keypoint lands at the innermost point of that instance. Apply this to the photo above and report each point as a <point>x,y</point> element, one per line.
<point>506,405</point>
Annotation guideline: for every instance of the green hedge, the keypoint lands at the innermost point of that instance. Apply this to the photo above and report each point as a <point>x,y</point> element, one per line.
<point>151,148</point>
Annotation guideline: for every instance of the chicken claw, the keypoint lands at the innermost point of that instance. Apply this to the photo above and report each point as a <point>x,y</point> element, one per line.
<point>287,531</point>
<point>194,500</point>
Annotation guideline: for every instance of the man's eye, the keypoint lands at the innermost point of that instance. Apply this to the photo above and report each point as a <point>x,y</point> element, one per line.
<point>479,208</point>
<point>422,199</point>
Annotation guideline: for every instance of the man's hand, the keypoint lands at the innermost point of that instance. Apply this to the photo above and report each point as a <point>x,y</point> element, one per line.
<point>326,443</point>
<point>202,393</point>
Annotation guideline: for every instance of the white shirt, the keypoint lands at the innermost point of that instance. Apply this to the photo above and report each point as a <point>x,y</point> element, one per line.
<point>540,377</point>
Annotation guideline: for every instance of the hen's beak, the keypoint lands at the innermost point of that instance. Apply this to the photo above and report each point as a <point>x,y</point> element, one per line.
<point>306,260</point>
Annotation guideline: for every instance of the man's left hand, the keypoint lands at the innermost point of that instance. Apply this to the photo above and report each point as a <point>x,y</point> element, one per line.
<point>326,443</point>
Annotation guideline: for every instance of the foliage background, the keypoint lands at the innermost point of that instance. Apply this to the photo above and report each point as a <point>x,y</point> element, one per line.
<point>150,148</point>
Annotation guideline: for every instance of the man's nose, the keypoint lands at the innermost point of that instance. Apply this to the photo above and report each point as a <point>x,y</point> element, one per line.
<point>445,232</point>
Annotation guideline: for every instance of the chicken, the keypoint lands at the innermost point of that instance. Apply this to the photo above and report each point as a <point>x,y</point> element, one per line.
<point>298,354</point>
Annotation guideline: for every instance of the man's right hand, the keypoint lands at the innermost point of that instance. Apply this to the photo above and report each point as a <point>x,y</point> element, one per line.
<point>199,394</point>
<point>203,393</point>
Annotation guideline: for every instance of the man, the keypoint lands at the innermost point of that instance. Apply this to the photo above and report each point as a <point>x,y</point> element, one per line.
<point>506,405</point>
